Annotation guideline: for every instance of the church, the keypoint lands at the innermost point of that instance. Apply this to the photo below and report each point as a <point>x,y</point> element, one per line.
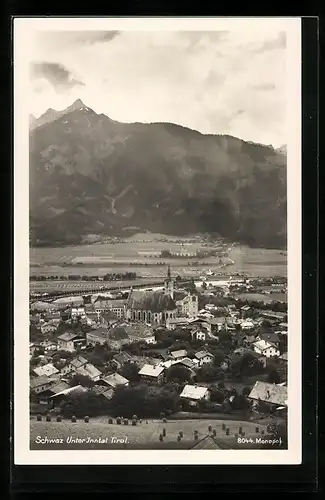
<point>159,306</point>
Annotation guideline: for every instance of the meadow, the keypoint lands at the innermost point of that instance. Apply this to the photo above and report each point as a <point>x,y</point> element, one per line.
<point>139,254</point>
<point>142,436</point>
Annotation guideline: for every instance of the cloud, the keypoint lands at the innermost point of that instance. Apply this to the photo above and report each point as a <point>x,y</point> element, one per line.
<point>56,74</point>
<point>218,82</point>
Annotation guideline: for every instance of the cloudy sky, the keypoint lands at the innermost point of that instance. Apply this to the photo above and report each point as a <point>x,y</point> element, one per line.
<point>221,82</point>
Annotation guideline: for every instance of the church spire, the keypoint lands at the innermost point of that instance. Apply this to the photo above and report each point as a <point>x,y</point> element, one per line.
<point>168,272</point>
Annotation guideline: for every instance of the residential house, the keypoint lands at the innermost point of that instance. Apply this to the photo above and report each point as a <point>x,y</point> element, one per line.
<point>57,398</point>
<point>73,365</point>
<point>199,335</point>
<point>89,370</point>
<point>181,353</point>
<point>141,361</point>
<point>173,323</point>
<point>104,393</point>
<point>204,358</point>
<point>47,370</point>
<point>117,337</point>
<point>98,336</point>
<point>40,384</point>
<point>267,349</point>
<point>271,337</point>
<point>121,358</point>
<point>69,341</point>
<point>273,394</point>
<point>114,380</point>
<point>245,310</point>
<point>47,328</point>
<point>152,373</point>
<point>247,324</point>
<point>195,393</point>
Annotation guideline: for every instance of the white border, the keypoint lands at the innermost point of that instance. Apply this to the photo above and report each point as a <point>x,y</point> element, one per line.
<point>22,454</point>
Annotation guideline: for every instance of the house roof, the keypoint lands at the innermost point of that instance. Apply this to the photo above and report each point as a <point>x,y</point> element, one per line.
<point>67,336</point>
<point>284,356</point>
<point>202,354</point>
<point>77,389</point>
<point>150,301</point>
<point>181,353</point>
<point>69,300</point>
<point>89,370</point>
<point>186,362</point>
<point>78,361</point>
<point>122,357</point>
<point>151,370</point>
<point>179,295</point>
<point>109,316</point>
<point>194,392</point>
<point>103,391</point>
<point>47,370</point>
<point>176,321</point>
<point>262,345</point>
<point>270,393</point>
<point>115,379</point>
<point>99,332</point>
<point>37,381</point>
<point>245,308</point>
<point>270,337</point>
<point>59,387</point>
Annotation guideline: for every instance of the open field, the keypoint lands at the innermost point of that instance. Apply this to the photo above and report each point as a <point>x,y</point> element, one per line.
<point>139,255</point>
<point>142,436</point>
<point>283,297</point>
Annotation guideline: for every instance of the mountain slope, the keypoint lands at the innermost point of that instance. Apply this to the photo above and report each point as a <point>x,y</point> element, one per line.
<point>90,174</point>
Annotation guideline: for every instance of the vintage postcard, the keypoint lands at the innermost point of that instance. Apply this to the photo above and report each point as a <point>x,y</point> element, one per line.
<point>157,244</point>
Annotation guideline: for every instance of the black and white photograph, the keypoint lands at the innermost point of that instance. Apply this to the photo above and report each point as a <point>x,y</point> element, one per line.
<point>157,240</point>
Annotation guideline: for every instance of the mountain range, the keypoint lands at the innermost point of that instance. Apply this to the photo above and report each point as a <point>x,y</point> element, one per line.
<point>93,175</point>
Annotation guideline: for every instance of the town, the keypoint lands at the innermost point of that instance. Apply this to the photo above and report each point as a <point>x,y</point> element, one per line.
<point>178,351</point>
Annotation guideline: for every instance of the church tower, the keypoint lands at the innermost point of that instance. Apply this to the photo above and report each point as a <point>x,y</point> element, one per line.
<point>169,284</point>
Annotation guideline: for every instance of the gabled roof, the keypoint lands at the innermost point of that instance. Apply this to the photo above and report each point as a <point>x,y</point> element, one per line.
<point>194,392</point>
<point>67,336</point>
<point>284,356</point>
<point>115,379</point>
<point>77,389</point>
<point>270,393</point>
<point>38,381</point>
<point>151,370</point>
<point>150,301</point>
<point>262,345</point>
<point>47,370</point>
<point>181,353</point>
<point>89,370</point>
<point>122,357</point>
<point>202,354</point>
<point>78,362</point>
<point>270,337</point>
<point>59,387</point>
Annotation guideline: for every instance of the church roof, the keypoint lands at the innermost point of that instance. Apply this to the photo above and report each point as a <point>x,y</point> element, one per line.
<point>150,301</point>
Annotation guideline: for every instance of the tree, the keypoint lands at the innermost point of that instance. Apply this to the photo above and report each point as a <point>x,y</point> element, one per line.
<point>240,402</point>
<point>130,371</point>
<point>87,403</point>
<point>208,373</point>
<point>178,373</point>
<point>204,285</point>
<point>218,354</point>
<point>217,396</point>
<point>273,376</point>
<point>83,380</point>
<point>246,391</point>
<point>247,365</point>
